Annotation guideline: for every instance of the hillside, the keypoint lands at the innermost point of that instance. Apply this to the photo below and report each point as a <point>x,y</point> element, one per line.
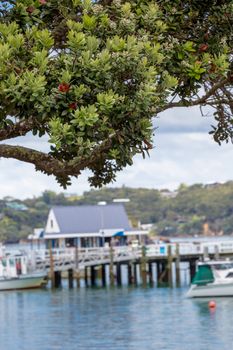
<point>188,211</point>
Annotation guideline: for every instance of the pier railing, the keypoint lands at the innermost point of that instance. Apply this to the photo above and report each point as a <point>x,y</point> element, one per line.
<point>64,259</point>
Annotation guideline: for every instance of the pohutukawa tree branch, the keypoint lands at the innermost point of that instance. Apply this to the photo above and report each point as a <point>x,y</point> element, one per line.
<point>20,128</point>
<point>42,161</point>
<point>196,102</point>
<point>52,166</point>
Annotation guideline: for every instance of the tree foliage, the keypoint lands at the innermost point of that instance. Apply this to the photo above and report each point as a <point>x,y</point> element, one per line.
<point>92,74</point>
<point>186,212</point>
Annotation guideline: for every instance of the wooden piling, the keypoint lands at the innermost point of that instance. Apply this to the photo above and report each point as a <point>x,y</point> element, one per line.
<point>103,275</point>
<point>192,269</point>
<point>130,276</point>
<point>163,274</point>
<point>86,276</point>
<point>93,276</point>
<point>158,271</point>
<point>77,272</point>
<point>70,278</point>
<point>135,276</point>
<point>77,277</point>
<point>111,266</point>
<point>57,279</point>
<point>52,276</point>
<point>150,274</point>
<point>143,267</point>
<point>169,264</point>
<point>118,274</point>
<point>177,264</point>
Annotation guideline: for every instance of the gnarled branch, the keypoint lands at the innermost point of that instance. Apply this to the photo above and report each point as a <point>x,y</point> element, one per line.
<point>51,165</point>
<point>18,129</point>
<point>42,161</point>
<point>200,101</point>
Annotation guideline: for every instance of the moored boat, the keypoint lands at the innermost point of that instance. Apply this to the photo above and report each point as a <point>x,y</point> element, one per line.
<point>16,272</point>
<point>212,279</point>
<point>35,280</point>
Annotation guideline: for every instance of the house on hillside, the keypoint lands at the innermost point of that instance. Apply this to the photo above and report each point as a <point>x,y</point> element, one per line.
<point>90,226</point>
<point>165,193</point>
<point>16,206</point>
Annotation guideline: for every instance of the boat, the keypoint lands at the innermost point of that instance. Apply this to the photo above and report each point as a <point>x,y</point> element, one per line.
<point>213,278</point>
<point>17,272</point>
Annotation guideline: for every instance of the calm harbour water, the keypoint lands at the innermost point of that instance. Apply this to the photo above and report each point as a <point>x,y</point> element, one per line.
<point>119,319</point>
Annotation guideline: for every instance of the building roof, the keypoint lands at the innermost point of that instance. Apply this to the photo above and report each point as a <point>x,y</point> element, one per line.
<point>91,218</point>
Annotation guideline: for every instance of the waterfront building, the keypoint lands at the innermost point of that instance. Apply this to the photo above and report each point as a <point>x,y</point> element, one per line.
<point>90,226</point>
<point>37,237</point>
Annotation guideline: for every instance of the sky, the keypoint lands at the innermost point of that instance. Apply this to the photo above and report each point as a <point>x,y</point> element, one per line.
<point>183,152</point>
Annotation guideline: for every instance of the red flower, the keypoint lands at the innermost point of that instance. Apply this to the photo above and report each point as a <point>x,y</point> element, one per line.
<point>73,105</point>
<point>203,47</point>
<point>42,2</point>
<point>30,9</point>
<point>64,87</point>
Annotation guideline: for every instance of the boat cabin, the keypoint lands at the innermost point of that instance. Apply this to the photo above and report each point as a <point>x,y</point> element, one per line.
<point>13,266</point>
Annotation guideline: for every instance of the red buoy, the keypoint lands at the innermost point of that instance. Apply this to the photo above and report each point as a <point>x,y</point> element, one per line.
<point>212,304</point>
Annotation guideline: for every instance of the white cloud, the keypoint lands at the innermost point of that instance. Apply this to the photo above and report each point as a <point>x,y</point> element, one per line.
<point>184,152</point>
<point>182,120</point>
<point>188,158</point>
<point>20,180</point>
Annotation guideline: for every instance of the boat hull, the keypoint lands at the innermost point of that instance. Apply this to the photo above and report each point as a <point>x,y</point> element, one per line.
<point>211,290</point>
<point>23,282</point>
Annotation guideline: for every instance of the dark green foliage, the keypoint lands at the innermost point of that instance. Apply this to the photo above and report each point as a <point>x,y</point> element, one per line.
<point>92,75</point>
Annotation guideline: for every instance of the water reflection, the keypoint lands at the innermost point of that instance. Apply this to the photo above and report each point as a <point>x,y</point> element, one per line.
<point>129,319</point>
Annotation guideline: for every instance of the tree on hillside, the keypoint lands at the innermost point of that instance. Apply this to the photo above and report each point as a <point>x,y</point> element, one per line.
<point>92,74</point>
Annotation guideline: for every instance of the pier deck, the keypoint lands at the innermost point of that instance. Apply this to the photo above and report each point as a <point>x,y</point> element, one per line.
<point>142,258</point>
<point>85,257</point>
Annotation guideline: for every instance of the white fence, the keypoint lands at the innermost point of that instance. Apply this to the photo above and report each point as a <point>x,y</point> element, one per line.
<point>63,259</point>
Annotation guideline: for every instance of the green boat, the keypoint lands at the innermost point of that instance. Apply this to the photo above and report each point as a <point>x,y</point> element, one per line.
<point>212,279</point>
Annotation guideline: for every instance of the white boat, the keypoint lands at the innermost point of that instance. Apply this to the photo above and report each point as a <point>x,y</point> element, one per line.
<point>23,282</point>
<point>16,272</point>
<point>212,279</point>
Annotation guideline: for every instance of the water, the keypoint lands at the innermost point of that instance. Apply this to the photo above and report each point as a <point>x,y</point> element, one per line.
<point>119,319</point>
<point>200,239</point>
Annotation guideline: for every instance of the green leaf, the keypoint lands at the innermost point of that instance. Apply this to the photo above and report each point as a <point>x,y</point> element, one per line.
<point>89,22</point>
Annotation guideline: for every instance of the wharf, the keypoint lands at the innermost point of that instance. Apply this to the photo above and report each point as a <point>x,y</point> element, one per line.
<point>106,263</point>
